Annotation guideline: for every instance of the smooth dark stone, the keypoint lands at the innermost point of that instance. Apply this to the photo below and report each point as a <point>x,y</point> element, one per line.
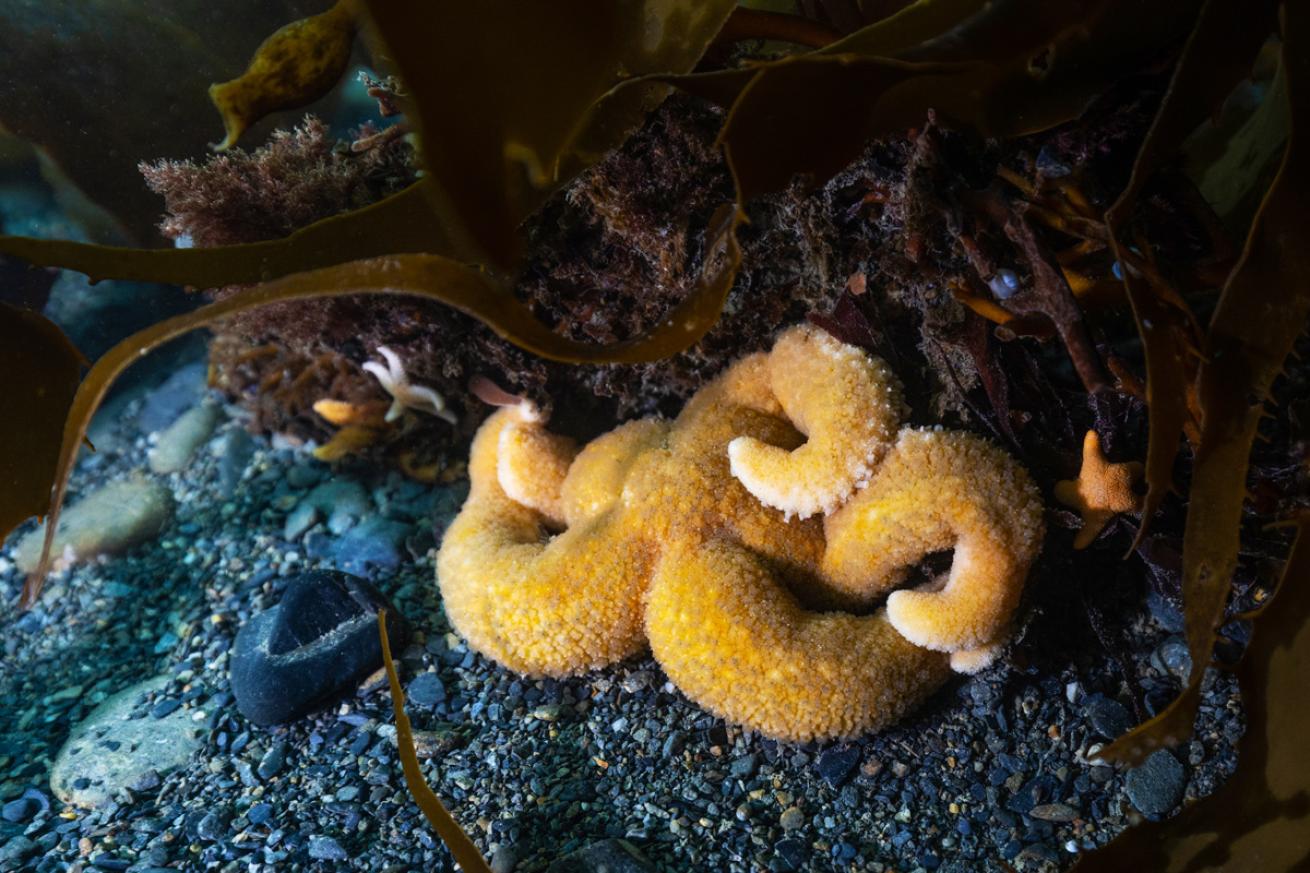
<point>259,813</point>
<point>426,690</point>
<point>1109,718</point>
<point>182,390</point>
<point>167,706</point>
<point>1157,785</point>
<point>836,764</point>
<point>607,856</point>
<point>317,643</point>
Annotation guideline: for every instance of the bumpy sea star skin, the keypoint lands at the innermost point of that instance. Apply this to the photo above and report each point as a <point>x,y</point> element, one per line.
<point>537,605</point>
<point>737,642</point>
<point>848,405</point>
<point>663,543</point>
<point>556,606</point>
<point>1101,491</point>
<point>940,490</point>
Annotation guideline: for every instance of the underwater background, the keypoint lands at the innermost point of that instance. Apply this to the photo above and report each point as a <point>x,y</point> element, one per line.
<point>253,334</point>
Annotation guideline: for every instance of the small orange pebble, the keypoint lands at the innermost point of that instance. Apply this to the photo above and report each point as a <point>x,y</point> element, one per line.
<point>1101,491</point>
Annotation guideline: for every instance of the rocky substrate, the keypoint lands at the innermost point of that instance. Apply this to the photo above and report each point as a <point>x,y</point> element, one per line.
<point>614,770</point>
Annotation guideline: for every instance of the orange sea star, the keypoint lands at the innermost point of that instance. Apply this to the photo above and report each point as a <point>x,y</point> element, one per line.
<point>1101,491</point>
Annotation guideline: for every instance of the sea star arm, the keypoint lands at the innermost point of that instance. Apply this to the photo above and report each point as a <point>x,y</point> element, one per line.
<point>732,638</point>
<point>844,400</point>
<point>538,604</point>
<point>596,478</point>
<point>532,463</point>
<point>940,490</point>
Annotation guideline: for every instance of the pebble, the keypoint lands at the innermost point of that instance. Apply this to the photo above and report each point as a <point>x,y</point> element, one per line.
<point>836,764</point>
<point>1109,718</point>
<point>180,440</point>
<point>323,848</point>
<point>344,502</point>
<point>110,750</point>
<point>504,859</point>
<point>108,520</point>
<point>259,813</point>
<point>20,810</point>
<point>425,690</point>
<point>1172,656</point>
<point>1157,785</point>
<point>607,856</point>
<point>180,391</point>
<point>745,766</point>
<point>271,764</point>
<point>235,452</point>
<point>1053,812</point>
<point>17,849</point>
<point>370,548</point>
<point>791,818</point>
<point>299,520</point>
<point>318,642</point>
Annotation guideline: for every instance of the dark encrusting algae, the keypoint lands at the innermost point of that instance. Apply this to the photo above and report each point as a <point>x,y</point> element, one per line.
<point>996,769</point>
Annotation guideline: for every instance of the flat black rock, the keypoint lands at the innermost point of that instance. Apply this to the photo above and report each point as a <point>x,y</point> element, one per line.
<point>319,642</point>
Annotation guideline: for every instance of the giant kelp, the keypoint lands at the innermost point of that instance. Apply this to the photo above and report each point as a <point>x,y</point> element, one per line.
<point>1000,69</point>
<point>97,85</point>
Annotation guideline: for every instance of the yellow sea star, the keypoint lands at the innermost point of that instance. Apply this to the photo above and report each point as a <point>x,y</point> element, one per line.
<point>661,543</point>
<point>1101,491</point>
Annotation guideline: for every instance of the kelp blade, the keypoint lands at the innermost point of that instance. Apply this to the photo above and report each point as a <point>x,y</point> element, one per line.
<point>1264,306</point>
<point>431,276</point>
<point>39,372</point>
<point>297,65</point>
<point>499,91</point>
<point>401,223</point>
<point>1258,820</point>
<point>1219,54</point>
<point>461,847</point>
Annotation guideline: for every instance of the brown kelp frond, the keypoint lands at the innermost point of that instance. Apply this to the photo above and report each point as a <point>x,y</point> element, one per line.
<point>1258,819</point>
<point>1264,306</point>
<point>297,65</point>
<point>498,144</point>
<point>402,222</point>
<point>39,371</point>
<point>461,847</point>
<point>431,276</point>
<point>1008,69</point>
<point>1219,53</point>
<point>127,82</point>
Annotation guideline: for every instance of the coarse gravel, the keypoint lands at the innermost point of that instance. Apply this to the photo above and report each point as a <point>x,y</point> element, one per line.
<point>995,770</point>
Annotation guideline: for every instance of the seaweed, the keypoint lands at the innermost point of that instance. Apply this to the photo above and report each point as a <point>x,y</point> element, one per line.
<point>1260,818</point>
<point>1264,306</point>
<point>39,371</point>
<point>97,85</point>
<point>1218,54</point>
<point>461,847</point>
<point>493,152</point>
<point>295,66</point>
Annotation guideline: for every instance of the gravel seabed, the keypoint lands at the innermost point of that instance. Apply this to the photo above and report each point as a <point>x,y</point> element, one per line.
<point>993,771</point>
